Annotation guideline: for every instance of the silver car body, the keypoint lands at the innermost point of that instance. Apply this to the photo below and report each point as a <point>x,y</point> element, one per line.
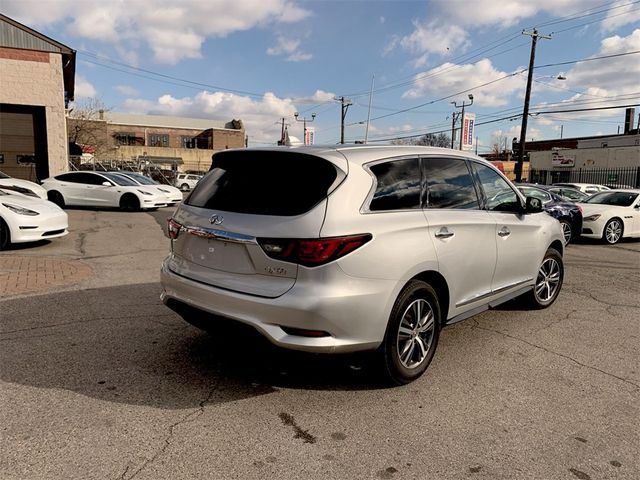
<point>476,258</point>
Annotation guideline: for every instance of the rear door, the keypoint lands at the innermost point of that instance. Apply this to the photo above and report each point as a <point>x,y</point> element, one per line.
<point>246,197</point>
<point>462,233</point>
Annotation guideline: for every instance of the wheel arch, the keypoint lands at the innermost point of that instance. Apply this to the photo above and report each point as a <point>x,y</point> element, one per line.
<point>440,285</point>
<point>557,245</point>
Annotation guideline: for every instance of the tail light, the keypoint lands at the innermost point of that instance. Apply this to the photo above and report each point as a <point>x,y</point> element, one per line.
<point>173,228</point>
<point>312,252</point>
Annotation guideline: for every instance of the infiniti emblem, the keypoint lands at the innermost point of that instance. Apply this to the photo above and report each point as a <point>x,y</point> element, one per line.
<point>216,219</point>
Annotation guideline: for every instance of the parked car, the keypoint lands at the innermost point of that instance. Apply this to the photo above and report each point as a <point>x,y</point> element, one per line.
<point>570,194</point>
<point>588,188</point>
<point>22,186</point>
<point>172,194</point>
<point>101,189</point>
<point>187,181</point>
<point>612,215</point>
<point>357,248</point>
<point>25,218</point>
<point>568,213</point>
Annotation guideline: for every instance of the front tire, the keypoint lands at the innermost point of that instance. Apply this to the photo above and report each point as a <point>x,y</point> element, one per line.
<point>412,334</point>
<point>548,281</point>
<point>567,231</point>
<point>184,187</point>
<point>613,231</point>
<point>5,235</point>
<point>129,203</point>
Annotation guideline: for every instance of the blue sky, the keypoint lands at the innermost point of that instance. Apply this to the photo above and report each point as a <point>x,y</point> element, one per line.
<point>263,60</point>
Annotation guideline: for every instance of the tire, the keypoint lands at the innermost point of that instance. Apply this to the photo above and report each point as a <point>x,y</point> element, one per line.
<point>56,197</point>
<point>548,281</point>
<point>184,187</point>
<point>613,231</point>
<point>409,344</point>
<point>129,203</point>
<point>5,235</point>
<point>567,231</point>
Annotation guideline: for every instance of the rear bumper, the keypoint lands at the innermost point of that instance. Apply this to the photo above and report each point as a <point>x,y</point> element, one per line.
<point>353,311</point>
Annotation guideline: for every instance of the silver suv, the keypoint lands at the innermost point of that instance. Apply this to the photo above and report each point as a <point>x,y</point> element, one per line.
<point>357,248</point>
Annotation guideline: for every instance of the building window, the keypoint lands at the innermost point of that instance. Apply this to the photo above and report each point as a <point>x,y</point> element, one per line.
<point>125,138</point>
<point>188,142</point>
<point>158,140</point>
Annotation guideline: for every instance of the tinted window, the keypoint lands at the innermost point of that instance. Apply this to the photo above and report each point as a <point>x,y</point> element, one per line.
<point>119,179</point>
<point>449,184</point>
<point>620,199</point>
<point>81,177</point>
<point>499,196</point>
<point>398,185</point>
<point>141,179</point>
<point>535,193</point>
<point>264,183</point>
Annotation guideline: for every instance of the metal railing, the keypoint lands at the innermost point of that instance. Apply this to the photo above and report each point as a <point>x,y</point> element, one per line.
<point>618,177</point>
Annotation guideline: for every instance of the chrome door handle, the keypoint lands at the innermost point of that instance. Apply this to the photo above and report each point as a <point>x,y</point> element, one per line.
<point>444,233</point>
<point>504,232</point>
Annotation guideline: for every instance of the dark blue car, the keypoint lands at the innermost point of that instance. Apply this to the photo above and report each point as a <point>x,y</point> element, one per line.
<point>568,213</point>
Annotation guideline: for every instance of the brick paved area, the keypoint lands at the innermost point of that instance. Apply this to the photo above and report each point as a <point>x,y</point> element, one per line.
<point>24,274</point>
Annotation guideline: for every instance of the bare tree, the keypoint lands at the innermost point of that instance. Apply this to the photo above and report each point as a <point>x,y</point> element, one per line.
<point>86,127</point>
<point>431,139</point>
<point>499,143</point>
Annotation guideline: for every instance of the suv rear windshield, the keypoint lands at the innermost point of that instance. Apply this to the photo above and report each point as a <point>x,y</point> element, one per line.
<point>264,183</point>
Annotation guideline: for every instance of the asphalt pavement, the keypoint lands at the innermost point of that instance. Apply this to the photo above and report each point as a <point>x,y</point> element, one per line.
<point>99,380</point>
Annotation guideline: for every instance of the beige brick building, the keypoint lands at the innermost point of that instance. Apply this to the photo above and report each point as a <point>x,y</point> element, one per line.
<point>171,143</point>
<point>36,82</point>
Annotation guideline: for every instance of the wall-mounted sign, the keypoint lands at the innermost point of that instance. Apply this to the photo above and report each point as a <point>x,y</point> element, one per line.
<point>1,157</point>
<point>26,159</point>
<point>559,159</point>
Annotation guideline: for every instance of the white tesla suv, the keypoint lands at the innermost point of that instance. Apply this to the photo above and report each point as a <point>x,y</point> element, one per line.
<point>357,248</point>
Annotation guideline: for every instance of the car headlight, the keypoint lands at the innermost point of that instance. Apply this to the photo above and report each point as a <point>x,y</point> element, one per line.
<point>145,193</point>
<point>20,210</point>
<point>591,218</point>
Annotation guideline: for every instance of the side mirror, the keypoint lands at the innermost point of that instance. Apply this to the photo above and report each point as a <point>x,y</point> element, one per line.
<point>533,205</point>
<point>106,184</point>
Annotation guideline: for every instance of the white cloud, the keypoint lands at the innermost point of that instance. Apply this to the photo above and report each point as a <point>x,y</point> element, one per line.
<point>434,38</point>
<point>289,48</point>
<point>126,90</point>
<point>258,115</point>
<point>447,78</point>
<point>622,13</point>
<point>84,88</point>
<point>171,30</point>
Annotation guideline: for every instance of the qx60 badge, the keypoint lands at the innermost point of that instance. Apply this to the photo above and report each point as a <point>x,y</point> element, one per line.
<point>216,219</point>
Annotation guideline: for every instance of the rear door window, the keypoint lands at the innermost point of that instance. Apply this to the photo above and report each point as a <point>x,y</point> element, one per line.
<point>265,183</point>
<point>449,184</point>
<point>398,185</point>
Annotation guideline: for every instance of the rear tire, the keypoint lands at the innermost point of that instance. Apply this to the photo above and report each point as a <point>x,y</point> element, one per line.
<point>412,334</point>
<point>129,203</point>
<point>56,197</point>
<point>613,231</point>
<point>548,281</point>
<point>184,187</point>
<point>5,235</point>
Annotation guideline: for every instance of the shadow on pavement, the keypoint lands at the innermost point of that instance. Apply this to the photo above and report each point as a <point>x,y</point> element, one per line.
<point>121,344</point>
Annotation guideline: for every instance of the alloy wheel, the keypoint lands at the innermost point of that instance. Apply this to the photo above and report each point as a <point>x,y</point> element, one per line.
<point>415,333</point>
<point>613,231</point>
<point>566,232</point>
<point>548,280</point>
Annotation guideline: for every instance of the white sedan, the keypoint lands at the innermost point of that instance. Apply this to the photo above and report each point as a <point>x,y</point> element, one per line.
<point>612,215</point>
<point>101,189</point>
<point>22,186</point>
<point>28,219</point>
<point>173,194</point>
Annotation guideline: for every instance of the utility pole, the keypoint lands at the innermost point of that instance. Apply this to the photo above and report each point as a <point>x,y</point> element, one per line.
<point>460,115</point>
<point>345,102</point>
<point>304,123</point>
<point>366,132</point>
<point>527,97</point>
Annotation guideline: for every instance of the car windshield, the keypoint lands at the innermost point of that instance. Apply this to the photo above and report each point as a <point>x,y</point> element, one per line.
<point>620,199</point>
<point>119,180</point>
<point>4,175</point>
<point>141,178</point>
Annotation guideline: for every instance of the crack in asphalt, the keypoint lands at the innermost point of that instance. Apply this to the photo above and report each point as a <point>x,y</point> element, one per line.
<point>540,347</point>
<point>75,322</point>
<point>556,322</point>
<point>610,304</point>
<point>168,438</point>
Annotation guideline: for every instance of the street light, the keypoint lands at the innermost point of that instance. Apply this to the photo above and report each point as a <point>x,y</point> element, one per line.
<point>304,122</point>
<point>459,115</point>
